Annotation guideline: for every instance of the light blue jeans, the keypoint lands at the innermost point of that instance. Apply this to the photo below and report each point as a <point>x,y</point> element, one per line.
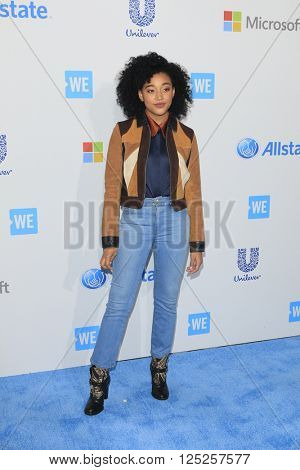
<point>155,227</point>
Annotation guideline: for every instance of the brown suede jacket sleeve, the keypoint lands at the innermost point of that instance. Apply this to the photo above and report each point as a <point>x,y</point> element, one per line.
<point>193,197</point>
<point>112,190</point>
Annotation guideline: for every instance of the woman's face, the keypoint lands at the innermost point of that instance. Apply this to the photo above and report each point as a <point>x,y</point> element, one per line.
<point>157,94</point>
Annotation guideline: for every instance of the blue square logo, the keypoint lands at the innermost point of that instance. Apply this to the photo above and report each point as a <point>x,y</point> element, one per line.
<point>23,221</point>
<point>294,311</point>
<point>79,83</point>
<point>198,323</point>
<point>259,207</point>
<point>86,337</point>
<point>203,85</point>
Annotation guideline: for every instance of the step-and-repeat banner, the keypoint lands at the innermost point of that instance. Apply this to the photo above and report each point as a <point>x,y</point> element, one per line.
<point>59,62</point>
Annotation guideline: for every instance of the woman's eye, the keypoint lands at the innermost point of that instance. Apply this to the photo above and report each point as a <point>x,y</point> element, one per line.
<point>166,89</point>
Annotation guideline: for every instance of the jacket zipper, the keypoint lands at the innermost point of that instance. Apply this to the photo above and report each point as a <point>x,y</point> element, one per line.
<point>147,160</point>
<point>167,132</point>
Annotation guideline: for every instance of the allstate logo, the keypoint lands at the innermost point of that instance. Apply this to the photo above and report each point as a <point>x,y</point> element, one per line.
<point>13,10</point>
<point>247,148</point>
<point>135,14</point>
<point>93,278</point>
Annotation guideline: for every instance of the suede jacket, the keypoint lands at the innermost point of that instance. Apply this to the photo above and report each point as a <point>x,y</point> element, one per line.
<point>125,175</point>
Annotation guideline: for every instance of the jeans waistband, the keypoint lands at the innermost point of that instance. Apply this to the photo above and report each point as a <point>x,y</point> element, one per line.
<point>157,201</point>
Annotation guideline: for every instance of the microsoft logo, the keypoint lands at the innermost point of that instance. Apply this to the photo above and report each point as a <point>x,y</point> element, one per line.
<point>233,21</point>
<point>92,152</point>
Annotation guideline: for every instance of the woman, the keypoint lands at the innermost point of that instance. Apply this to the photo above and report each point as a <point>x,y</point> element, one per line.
<point>152,172</point>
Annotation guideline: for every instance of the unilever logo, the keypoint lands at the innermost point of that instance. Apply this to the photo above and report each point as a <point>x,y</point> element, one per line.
<point>139,19</point>
<point>3,153</point>
<point>247,148</point>
<point>3,147</point>
<point>94,278</point>
<point>247,266</point>
<point>242,263</point>
<point>135,12</point>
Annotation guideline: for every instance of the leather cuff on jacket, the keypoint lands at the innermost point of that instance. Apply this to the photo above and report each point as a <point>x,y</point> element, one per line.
<point>197,246</point>
<point>110,241</point>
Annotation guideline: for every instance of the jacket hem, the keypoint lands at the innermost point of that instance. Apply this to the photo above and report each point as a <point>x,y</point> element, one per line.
<point>136,202</point>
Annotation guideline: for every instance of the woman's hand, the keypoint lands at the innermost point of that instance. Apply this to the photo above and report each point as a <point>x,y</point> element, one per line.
<point>107,257</point>
<point>196,259</point>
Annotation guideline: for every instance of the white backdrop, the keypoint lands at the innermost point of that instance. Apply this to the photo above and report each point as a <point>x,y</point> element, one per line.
<point>246,86</point>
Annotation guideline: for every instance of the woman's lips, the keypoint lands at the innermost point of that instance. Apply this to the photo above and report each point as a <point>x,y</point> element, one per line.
<point>160,105</point>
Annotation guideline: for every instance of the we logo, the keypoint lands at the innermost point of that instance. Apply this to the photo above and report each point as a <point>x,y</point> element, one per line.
<point>294,311</point>
<point>23,221</point>
<point>259,207</point>
<point>203,86</point>
<point>198,323</point>
<point>86,337</point>
<point>79,83</point>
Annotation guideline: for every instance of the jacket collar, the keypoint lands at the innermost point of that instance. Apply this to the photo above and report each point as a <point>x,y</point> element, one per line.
<point>172,121</point>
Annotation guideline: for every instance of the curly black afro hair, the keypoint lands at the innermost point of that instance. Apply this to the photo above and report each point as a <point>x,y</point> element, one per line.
<point>139,70</point>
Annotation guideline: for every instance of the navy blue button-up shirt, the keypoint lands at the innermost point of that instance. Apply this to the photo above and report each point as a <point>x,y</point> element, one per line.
<point>158,164</point>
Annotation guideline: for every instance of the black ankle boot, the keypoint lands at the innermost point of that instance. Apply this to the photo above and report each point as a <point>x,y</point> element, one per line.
<point>159,369</point>
<point>99,383</point>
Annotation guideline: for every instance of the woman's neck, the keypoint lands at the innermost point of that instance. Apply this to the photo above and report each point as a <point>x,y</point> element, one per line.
<point>156,117</point>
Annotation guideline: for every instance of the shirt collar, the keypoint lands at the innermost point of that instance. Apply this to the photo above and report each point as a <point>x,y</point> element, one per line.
<point>154,127</point>
<point>141,120</point>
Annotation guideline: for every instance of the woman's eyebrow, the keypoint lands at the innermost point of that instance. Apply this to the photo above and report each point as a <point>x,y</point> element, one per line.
<point>151,84</point>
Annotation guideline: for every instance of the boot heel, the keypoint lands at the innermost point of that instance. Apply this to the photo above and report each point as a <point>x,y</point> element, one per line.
<point>106,392</point>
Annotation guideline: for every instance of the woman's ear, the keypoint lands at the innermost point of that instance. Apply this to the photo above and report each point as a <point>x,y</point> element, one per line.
<point>140,95</point>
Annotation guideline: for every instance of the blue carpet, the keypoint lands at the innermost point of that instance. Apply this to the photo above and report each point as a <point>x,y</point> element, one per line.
<point>235,397</point>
